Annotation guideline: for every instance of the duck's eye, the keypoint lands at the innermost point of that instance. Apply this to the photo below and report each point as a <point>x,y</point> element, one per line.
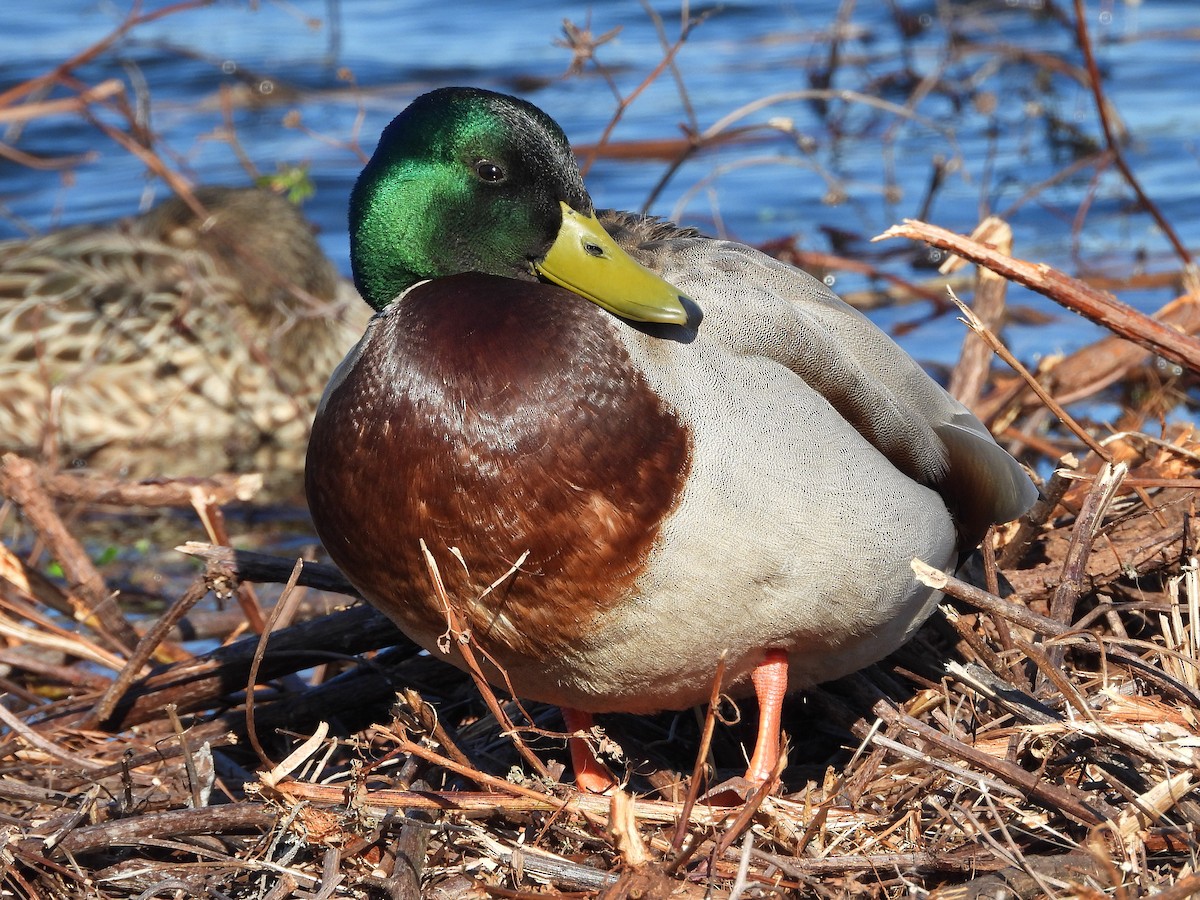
<point>489,171</point>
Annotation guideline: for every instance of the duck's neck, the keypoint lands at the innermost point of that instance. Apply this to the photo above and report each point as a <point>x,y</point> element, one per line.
<point>385,253</point>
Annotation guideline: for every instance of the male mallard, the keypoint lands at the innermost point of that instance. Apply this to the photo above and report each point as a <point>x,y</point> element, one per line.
<point>168,332</point>
<point>705,452</point>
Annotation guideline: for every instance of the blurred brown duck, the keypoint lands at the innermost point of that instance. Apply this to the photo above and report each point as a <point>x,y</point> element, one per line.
<point>639,466</point>
<point>167,332</point>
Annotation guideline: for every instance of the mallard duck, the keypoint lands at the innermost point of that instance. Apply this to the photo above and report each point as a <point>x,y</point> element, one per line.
<point>166,332</point>
<point>629,448</point>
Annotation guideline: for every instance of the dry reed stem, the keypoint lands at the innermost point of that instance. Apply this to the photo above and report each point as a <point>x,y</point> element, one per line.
<point>1098,306</point>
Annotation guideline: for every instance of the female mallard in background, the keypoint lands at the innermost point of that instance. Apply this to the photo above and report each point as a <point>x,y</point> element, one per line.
<point>171,333</point>
<point>622,478</point>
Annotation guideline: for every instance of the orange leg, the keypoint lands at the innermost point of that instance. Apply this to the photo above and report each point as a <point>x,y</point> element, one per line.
<point>770,684</point>
<point>590,774</point>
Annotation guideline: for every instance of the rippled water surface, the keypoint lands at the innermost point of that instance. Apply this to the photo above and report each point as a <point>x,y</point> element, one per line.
<point>1005,121</point>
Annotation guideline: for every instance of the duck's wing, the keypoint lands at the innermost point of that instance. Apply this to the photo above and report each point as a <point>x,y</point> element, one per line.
<point>771,309</point>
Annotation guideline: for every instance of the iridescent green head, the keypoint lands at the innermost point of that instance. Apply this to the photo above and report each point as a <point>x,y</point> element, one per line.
<point>467,180</point>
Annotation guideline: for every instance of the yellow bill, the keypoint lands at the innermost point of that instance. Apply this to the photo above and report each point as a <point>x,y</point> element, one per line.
<point>585,259</point>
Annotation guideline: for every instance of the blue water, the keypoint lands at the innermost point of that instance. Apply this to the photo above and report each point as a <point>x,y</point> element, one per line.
<point>774,186</point>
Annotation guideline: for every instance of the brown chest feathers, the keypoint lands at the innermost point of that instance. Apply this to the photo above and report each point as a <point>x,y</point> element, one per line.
<point>501,418</point>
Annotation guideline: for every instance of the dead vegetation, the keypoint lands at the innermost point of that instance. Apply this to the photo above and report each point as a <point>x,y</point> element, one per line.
<point>1054,752</point>
<point>1039,743</point>
<point>1038,738</point>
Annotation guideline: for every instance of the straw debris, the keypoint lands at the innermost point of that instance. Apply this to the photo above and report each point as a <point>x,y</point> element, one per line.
<point>1040,737</point>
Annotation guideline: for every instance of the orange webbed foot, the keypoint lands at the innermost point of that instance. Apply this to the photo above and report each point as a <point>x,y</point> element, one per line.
<point>770,685</point>
<point>591,775</point>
